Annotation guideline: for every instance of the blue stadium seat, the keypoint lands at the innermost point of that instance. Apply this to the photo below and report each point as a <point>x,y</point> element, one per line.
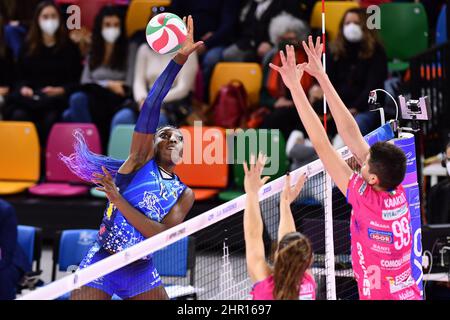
<point>29,238</point>
<point>176,260</point>
<point>71,248</point>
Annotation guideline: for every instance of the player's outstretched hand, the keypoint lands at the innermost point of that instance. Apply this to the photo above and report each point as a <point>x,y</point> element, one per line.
<point>189,45</point>
<point>252,180</point>
<point>314,53</point>
<point>107,185</point>
<point>289,193</point>
<point>290,72</point>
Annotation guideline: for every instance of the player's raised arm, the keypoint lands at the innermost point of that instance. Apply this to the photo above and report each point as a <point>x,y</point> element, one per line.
<point>334,164</point>
<point>345,122</point>
<point>288,195</point>
<point>142,144</point>
<point>253,225</point>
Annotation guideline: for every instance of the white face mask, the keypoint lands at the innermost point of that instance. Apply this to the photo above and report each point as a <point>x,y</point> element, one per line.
<point>49,26</point>
<point>110,34</point>
<point>353,32</point>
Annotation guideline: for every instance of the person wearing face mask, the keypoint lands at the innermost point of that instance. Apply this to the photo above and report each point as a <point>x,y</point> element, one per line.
<point>356,64</point>
<point>438,201</point>
<point>275,98</point>
<point>48,70</point>
<point>106,78</point>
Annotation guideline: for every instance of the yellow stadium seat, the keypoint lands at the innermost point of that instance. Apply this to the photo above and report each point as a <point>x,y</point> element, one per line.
<point>19,160</point>
<point>139,13</point>
<point>250,74</point>
<point>334,12</point>
<point>8,187</point>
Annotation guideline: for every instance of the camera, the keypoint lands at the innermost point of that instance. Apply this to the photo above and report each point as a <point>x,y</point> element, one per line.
<point>415,109</point>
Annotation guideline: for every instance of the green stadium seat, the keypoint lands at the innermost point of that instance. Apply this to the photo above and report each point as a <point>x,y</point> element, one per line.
<point>270,142</point>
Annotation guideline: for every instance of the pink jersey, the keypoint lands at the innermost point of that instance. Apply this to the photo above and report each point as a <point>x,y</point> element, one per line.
<point>381,242</point>
<point>263,290</point>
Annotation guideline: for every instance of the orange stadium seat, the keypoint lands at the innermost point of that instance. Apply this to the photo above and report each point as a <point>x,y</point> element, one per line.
<point>250,74</point>
<point>20,156</point>
<point>139,13</point>
<point>334,12</point>
<point>205,178</point>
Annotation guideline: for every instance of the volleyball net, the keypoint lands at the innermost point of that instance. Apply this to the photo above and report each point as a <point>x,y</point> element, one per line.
<point>204,257</point>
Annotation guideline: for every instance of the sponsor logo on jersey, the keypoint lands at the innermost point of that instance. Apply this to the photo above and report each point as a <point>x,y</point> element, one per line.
<point>362,263</point>
<point>396,263</point>
<point>395,201</point>
<point>394,214</point>
<point>380,236</point>
<point>404,276</point>
<point>362,188</point>
<point>395,286</point>
<point>407,295</point>
<point>379,225</point>
<point>380,249</point>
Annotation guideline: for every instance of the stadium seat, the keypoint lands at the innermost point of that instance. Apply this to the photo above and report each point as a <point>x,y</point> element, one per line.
<point>207,177</point>
<point>118,148</point>
<point>176,260</point>
<point>70,249</point>
<point>441,27</point>
<point>139,13</point>
<point>334,12</point>
<point>60,181</point>
<point>267,142</point>
<point>20,156</point>
<point>250,74</point>
<point>29,238</point>
<point>404,32</point>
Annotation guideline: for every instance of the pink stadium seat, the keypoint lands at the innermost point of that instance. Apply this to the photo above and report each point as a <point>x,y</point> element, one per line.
<point>60,182</point>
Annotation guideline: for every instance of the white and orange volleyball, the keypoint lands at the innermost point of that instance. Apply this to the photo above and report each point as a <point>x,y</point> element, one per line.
<point>166,32</point>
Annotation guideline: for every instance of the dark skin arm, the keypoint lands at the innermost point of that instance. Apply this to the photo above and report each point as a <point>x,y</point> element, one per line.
<point>144,225</point>
<point>142,144</point>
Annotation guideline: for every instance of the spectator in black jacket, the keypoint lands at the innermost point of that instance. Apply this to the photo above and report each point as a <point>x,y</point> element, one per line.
<point>48,70</point>
<point>253,40</point>
<point>13,261</point>
<point>357,64</point>
<point>215,25</point>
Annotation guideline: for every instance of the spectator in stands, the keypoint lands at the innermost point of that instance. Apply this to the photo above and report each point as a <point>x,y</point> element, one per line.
<point>438,202</point>
<point>284,29</point>
<point>253,41</point>
<point>216,22</point>
<point>18,15</point>
<point>106,78</point>
<point>13,261</point>
<point>356,64</point>
<point>177,103</point>
<point>6,67</point>
<point>48,70</point>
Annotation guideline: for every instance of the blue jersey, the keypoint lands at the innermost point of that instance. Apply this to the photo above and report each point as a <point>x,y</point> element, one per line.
<point>148,192</point>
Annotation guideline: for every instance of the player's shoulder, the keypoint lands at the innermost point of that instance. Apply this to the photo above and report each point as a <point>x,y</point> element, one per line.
<point>188,194</point>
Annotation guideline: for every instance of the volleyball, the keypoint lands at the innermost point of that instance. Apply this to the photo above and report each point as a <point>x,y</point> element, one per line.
<point>165,33</point>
